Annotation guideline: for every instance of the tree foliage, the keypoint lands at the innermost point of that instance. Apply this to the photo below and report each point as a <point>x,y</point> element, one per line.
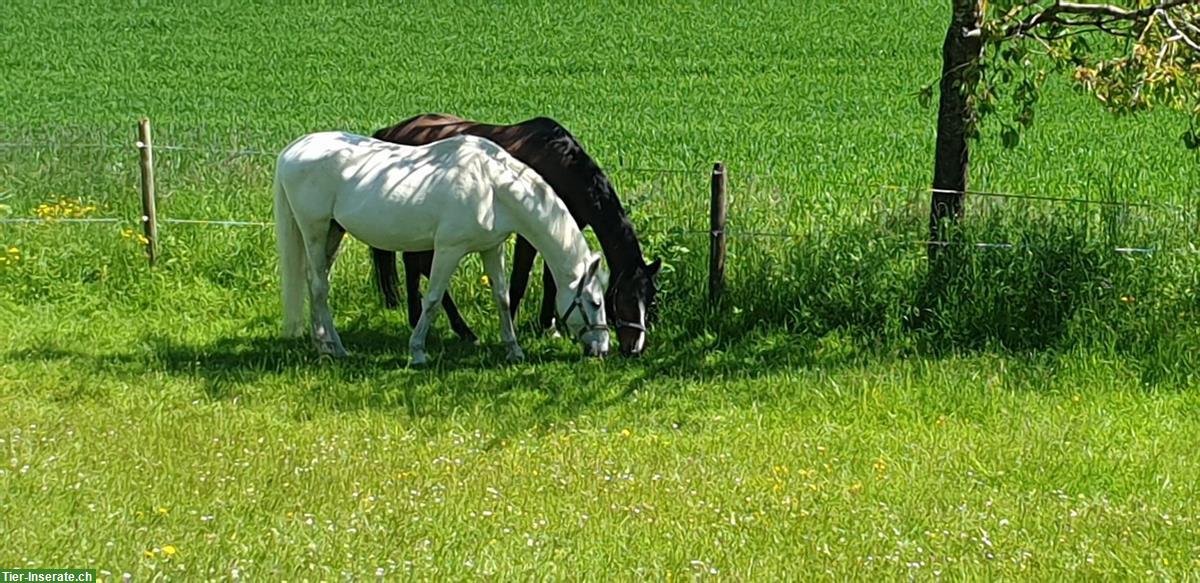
<point>1130,54</point>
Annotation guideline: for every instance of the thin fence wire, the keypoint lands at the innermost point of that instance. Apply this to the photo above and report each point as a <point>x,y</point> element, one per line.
<point>635,170</point>
<point>59,146</point>
<point>1003,195</point>
<point>618,169</point>
<point>218,222</point>
<point>734,233</point>
<point>737,233</point>
<point>52,221</point>
<point>621,168</point>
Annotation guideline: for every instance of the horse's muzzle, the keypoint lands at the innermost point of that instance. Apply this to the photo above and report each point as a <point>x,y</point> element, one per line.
<point>596,345</point>
<point>631,352</point>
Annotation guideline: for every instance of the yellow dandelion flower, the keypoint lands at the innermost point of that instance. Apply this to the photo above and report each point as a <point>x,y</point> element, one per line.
<point>142,239</point>
<point>14,251</point>
<point>856,487</point>
<point>1128,299</point>
<point>148,553</point>
<point>880,465</point>
<point>168,551</point>
<point>487,282</point>
<point>162,510</point>
<point>626,433</point>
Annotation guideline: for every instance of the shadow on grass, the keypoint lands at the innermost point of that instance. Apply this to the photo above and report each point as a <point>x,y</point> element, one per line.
<point>815,309</point>
<point>555,384</point>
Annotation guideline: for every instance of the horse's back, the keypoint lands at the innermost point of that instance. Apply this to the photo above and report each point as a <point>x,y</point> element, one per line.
<point>393,196</point>
<point>353,153</point>
<point>424,129</point>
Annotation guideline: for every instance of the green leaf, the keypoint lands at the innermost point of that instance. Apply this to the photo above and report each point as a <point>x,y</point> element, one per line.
<point>1010,137</point>
<point>1025,118</point>
<point>925,96</point>
<point>1191,139</point>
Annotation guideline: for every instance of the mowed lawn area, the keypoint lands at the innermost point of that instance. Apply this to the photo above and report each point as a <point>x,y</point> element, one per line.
<point>847,411</point>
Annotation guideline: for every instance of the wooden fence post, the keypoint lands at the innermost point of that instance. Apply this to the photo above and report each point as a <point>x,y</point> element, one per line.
<point>149,216</point>
<point>717,214</point>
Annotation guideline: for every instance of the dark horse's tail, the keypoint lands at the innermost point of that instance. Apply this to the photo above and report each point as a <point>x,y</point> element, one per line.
<point>386,277</point>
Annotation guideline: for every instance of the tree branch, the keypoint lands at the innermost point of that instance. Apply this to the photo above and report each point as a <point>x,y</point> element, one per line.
<point>1179,33</point>
<point>1103,14</point>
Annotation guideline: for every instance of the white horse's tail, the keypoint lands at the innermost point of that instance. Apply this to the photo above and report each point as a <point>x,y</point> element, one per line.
<point>290,244</point>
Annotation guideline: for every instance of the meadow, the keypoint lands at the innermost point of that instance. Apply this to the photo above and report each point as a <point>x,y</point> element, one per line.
<point>848,412</point>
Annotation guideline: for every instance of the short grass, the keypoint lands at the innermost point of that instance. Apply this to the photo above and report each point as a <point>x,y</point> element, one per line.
<point>847,412</point>
<point>772,458</point>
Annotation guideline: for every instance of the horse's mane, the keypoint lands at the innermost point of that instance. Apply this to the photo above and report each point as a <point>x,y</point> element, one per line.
<point>608,217</point>
<point>602,195</point>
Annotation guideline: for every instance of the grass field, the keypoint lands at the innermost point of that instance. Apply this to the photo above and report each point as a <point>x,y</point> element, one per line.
<point>849,414</point>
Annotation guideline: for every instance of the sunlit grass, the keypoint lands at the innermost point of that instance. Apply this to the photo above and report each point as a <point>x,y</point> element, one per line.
<point>849,411</point>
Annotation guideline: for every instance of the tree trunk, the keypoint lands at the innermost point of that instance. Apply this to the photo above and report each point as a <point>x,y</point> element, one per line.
<point>961,49</point>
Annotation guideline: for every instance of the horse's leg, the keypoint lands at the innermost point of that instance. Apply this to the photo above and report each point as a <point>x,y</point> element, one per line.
<point>445,261</point>
<point>416,264</point>
<point>333,243</point>
<point>457,323</point>
<point>493,264</point>
<point>322,250</point>
<point>523,256</point>
<point>549,293</point>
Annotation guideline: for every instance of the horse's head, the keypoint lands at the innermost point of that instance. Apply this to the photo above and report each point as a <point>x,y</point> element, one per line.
<point>631,304</point>
<point>581,306</point>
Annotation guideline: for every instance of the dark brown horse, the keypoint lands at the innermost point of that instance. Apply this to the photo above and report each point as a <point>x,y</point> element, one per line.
<point>550,150</point>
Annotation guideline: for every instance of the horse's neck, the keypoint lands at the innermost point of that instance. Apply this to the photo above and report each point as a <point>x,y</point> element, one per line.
<point>547,225</point>
<point>614,230</point>
<point>619,242</point>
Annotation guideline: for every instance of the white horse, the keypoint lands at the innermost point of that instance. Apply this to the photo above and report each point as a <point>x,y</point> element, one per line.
<point>456,196</point>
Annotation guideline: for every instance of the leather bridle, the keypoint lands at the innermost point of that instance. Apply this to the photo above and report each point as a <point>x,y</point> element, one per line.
<point>577,303</point>
<point>617,320</point>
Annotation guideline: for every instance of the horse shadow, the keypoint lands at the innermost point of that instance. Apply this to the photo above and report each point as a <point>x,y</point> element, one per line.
<point>556,384</point>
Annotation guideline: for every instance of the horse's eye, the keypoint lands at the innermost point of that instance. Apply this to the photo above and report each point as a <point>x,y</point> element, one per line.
<point>595,304</point>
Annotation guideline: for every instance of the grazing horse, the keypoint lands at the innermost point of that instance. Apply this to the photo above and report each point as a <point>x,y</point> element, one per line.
<point>556,155</point>
<point>460,195</point>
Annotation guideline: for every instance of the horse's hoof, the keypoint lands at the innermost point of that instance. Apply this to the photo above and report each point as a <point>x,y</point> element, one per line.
<point>553,333</point>
<point>469,338</point>
<point>515,357</point>
<point>419,360</point>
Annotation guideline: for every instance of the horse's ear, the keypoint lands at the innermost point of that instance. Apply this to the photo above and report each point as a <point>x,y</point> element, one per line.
<point>593,267</point>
